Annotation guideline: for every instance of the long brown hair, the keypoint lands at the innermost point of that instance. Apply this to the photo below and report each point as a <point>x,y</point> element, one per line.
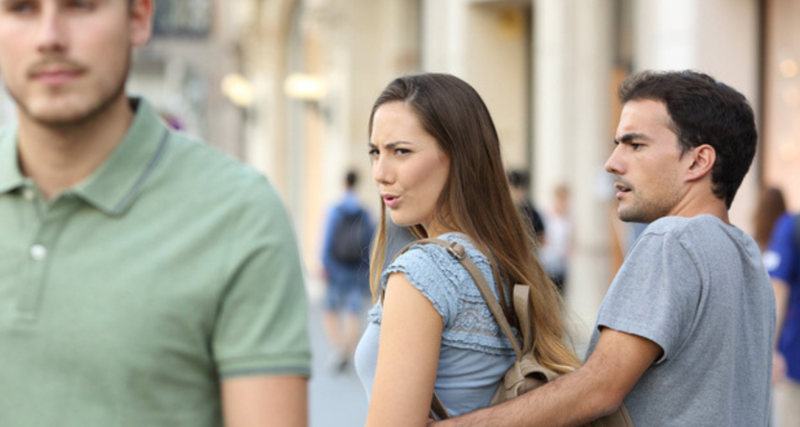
<point>476,201</point>
<point>770,207</point>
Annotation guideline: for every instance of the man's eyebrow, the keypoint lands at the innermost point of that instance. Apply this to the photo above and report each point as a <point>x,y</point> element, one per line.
<point>628,137</point>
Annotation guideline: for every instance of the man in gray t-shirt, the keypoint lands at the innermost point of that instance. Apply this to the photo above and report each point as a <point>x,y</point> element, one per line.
<point>684,336</point>
<point>696,288</point>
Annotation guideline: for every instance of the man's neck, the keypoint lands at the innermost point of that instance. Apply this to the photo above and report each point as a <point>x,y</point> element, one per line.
<point>702,201</point>
<point>58,158</point>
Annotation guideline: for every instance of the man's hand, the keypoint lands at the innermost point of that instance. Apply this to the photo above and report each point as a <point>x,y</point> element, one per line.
<point>575,399</point>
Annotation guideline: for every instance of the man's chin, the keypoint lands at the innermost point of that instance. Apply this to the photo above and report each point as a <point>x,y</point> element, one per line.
<point>59,114</point>
<point>628,215</point>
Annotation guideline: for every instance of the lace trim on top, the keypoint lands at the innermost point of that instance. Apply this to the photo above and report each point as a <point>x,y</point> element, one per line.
<point>468,322</point>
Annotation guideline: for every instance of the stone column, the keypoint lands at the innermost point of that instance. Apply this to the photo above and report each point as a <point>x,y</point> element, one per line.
<point>717,37</point>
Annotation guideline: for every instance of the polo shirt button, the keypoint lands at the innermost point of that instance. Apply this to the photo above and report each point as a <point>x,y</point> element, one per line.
<point>38,252</point>
<point>28,194</point>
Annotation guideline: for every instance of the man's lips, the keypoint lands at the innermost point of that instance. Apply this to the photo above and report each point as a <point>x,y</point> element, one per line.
<point>621,189</point>
<point>55,74</point>
<point>56,77</point>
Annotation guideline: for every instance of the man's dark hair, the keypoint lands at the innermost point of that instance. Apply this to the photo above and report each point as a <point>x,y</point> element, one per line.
<point>703,111</point>
<point>351,179</point>
<point>518,179</point>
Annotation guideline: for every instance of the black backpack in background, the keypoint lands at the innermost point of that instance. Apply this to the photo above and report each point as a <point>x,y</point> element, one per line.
<point>351,238</point>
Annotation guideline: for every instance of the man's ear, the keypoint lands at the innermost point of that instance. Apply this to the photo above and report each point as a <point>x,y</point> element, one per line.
<point>141,16</point>
<point>703,159</point>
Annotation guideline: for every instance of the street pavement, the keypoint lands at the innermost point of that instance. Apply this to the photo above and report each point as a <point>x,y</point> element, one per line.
<point>336,399</point>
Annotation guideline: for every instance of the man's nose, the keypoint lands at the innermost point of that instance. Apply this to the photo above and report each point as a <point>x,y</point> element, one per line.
<point>614,162</point>
<point>52,34</point>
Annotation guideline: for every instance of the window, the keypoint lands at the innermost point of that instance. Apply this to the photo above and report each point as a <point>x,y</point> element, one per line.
<point>183,18</point>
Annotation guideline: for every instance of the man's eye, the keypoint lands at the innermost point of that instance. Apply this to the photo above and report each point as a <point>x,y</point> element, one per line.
<point>20,6</point>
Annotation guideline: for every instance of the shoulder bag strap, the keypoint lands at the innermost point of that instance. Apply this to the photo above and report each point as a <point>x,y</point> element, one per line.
<point>522,306</point>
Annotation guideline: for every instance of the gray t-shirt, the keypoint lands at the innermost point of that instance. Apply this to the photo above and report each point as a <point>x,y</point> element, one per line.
<point>697,288</point>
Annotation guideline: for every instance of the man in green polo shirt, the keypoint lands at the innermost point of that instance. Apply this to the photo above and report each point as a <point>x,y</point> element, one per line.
<point>145,279</point>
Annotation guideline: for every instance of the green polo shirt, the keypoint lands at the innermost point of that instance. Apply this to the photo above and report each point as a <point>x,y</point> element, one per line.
<point>127,299</point>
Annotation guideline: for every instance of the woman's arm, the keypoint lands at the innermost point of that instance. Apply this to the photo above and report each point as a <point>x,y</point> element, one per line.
<point>408,356</point>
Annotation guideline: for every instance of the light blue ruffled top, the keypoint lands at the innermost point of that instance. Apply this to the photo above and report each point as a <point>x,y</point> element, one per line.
<point>474,354</point>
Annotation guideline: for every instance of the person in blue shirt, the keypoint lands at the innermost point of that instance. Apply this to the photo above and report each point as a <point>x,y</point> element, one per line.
<point>782,261</point>
<point>344,256</point>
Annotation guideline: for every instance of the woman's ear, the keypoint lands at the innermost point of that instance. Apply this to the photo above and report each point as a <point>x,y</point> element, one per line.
<point>703,159</point>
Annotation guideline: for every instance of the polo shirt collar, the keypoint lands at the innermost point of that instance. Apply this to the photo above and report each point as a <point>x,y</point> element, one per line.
<point>114,186</point>
<point>10,176</point>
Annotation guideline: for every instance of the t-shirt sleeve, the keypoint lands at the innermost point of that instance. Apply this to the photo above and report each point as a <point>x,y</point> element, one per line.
<point>261,324</point>
<point>656,294</point>
<point>431,270</point>
<point>778,259</point>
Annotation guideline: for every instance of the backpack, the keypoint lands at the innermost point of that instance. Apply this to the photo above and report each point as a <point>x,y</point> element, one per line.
<point>350,237</point>
<point>526,373</point>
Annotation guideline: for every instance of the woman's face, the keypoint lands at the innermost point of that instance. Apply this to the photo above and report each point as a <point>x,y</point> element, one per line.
<point>408,166</point>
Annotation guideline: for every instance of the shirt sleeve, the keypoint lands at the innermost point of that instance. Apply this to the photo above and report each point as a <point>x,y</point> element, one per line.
<point>778,259</point>
<point>431,270</point>
<point>261,325</point>
<point>656,294</point>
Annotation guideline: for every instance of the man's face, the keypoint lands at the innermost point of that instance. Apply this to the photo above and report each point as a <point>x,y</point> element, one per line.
<point>647,163</point>
<point>65,61</point>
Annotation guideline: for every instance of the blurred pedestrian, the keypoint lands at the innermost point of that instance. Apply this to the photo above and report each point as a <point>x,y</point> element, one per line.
<point>519,180</point>
<point>345,256</point>
<point>556,250</point>
<point>684,335</point>
<point>782,260</point>
<point>145,279</point>
<point>771,206</point>
<point>436,162</point>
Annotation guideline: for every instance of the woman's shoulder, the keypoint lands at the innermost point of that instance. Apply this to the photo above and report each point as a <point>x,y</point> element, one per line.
<point>425,249</point>
<point>438,274</point>
<point>423,257</point>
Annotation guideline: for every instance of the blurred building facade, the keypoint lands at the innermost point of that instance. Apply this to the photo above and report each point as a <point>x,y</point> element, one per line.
<point>287,85</point>
<point>547,69</point>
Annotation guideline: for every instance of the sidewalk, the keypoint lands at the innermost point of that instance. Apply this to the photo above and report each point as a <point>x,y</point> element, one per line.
<point>335,399</point>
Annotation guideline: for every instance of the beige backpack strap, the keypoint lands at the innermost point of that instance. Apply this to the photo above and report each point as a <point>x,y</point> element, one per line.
<point>438,411</point>
<point>522,306</point>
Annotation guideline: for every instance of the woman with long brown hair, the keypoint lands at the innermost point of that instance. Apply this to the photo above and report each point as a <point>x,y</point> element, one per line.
<point>436,162</point>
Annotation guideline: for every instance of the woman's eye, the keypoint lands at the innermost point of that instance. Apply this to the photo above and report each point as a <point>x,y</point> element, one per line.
<point>84,5</point>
